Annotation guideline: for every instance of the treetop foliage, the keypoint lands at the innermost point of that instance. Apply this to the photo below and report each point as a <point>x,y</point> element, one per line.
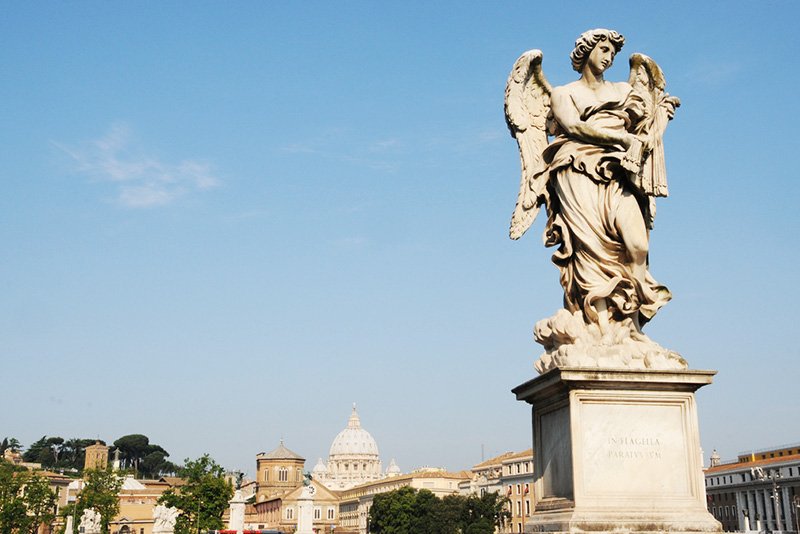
<point>26,500</point>
<point>410,511</point>
<point>137,454</point>
<point>204,497</point>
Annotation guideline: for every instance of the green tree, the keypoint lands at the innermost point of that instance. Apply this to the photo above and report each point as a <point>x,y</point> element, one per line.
<point>393,512</point>
<point>101,492</point>
<point>40,501</point>
<point>146,459</point>
<point>155,463</point>
<point>448,514</point>
<point>408,511</point>
<point>13,513</point>
<point>203,499</point>
<point>45,451</point>
<point>480,526</point>
<point>10,443</point>
<point>132,449</point>
<point>72,453</point>
<point>488,509</point>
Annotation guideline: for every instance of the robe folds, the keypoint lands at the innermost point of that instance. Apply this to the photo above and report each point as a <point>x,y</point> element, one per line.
<point>589,192</point>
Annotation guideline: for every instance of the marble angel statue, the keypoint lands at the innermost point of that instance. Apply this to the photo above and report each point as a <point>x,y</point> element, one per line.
<point>592,155</point>
<point>90,521</point>
<point>164,518</point>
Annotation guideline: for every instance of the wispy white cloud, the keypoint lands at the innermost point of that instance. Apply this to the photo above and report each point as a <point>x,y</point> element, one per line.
<point>142,180</point>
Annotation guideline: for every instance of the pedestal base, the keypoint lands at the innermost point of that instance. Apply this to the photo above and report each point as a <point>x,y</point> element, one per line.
<point>617,451</point>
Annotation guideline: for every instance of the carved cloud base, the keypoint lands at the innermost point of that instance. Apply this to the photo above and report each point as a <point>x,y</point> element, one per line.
<point>570,342</point>
<point>617,451</point>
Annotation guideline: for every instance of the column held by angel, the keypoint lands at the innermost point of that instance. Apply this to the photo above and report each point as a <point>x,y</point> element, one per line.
<point>592,155</point>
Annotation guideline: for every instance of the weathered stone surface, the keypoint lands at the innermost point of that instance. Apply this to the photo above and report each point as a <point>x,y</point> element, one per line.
<point>617,450</point>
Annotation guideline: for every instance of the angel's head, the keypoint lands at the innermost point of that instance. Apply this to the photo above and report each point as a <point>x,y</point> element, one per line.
<point>588,40</point>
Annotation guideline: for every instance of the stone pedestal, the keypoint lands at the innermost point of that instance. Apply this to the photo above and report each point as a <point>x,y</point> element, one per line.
<point>617,450</point>
<point>237,509</point>
<point>305,511</point>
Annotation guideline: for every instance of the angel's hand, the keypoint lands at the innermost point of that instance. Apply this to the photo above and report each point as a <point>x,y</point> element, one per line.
<point>670,104</point>
<point>629,140</point>
<point>636,144</point>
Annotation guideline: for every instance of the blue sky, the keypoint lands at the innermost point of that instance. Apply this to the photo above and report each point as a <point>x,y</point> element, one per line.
<point>223,223</point>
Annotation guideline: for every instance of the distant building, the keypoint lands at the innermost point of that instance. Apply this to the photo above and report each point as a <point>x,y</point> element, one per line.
<point>355,502</point>
<point>277,472</point>
<point>137,498</point>
<point>281,511</point>
<point>96,456</point>
<point>15,457</point>
<point>517,482</point>
<point>510,475</point>
<point>740,492</point>
<point>353,458</point>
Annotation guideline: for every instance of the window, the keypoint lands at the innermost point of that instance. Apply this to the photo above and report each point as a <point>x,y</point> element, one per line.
<point>317,512</point>
<point>283,474</point>
<point>266,475</point>
<point>527,507</point>
<point>519,489</point>
<point>519,508</point>
<point>289,512</point>
<point>330,512</point>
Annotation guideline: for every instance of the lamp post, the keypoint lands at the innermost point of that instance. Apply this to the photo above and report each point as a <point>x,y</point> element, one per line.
<point>773,476</point>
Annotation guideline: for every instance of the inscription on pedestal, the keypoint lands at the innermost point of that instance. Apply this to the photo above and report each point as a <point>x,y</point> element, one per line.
<point>622,447</point>
<point>633,448</point>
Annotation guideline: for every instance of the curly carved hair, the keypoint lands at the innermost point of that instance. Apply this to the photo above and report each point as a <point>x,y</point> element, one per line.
<point>587,41</point>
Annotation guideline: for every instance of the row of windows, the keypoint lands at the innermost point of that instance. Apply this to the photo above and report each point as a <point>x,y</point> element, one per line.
<point>520,488</point>
<point>283,474</point>
<point>355,467</point>
<point>331,514</point>
<point>742,477</point>
<point>723,512</point>
<point>518,468</point>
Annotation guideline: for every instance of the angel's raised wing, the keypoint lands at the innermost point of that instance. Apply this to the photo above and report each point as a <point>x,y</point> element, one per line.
<point>647,81</point>
<point>527,108</point>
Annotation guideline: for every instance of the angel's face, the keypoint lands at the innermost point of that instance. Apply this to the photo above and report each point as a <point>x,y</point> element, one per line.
<point>601,57</point>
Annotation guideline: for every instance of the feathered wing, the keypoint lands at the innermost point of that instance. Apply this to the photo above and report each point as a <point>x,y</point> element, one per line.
<point>527,106</point>
<point>647,81</point>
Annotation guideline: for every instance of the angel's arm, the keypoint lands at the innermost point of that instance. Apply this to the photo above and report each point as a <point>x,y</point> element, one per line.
<point>566,114</point>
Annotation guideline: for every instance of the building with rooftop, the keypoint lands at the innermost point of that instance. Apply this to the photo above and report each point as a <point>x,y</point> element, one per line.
<point>353,458</point>
<point>760,490</point>
<point>511,475</point>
